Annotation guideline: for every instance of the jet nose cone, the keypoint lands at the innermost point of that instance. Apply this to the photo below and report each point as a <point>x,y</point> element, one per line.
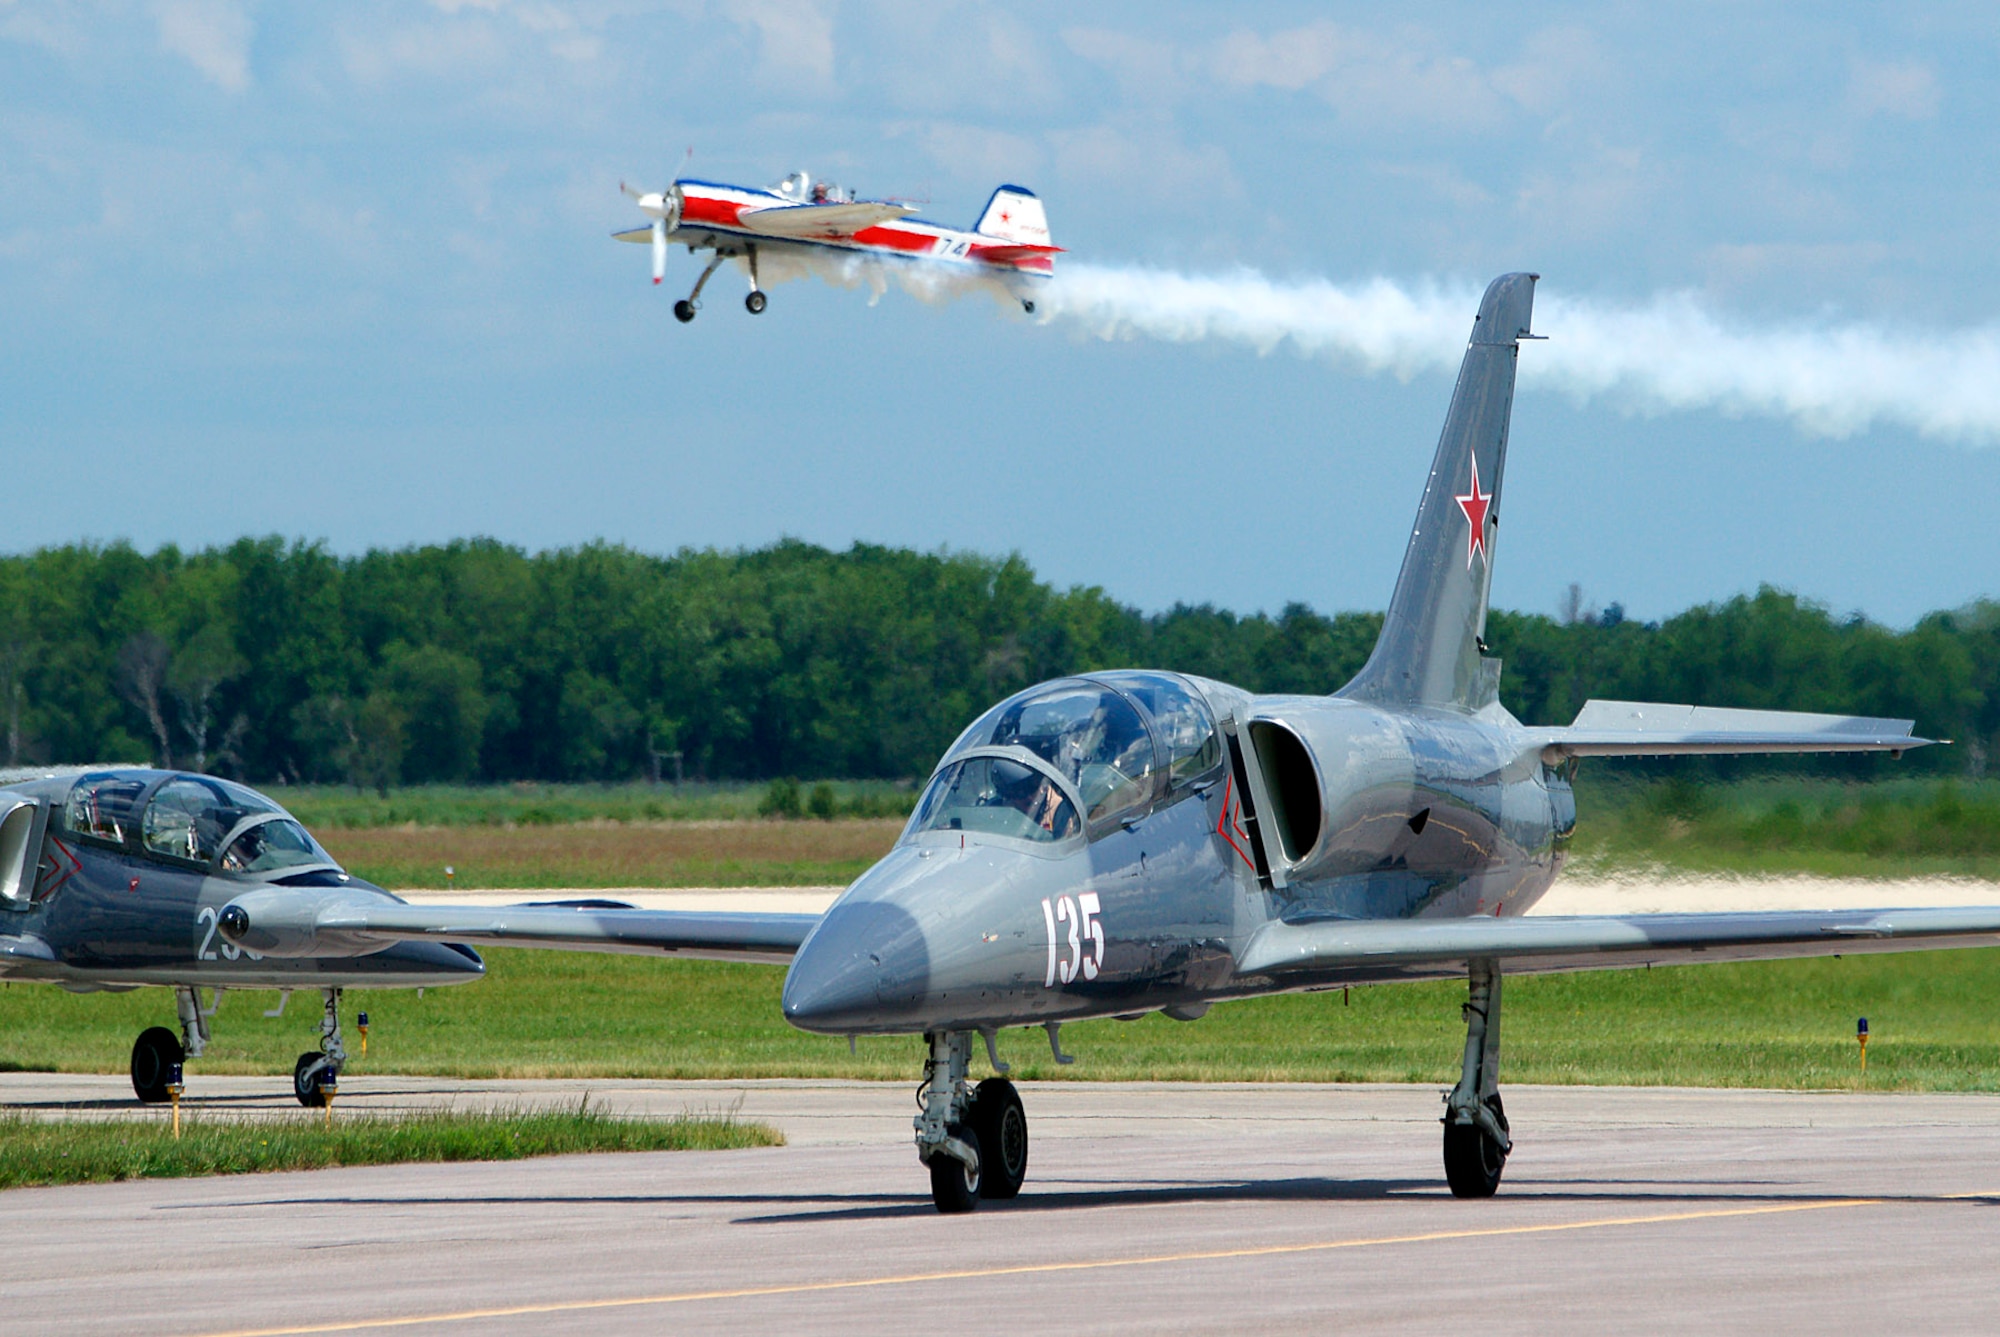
<point>860,954</point>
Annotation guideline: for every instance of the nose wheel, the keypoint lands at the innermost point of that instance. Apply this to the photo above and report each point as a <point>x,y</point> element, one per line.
<point>332,1054</point>
<point>973,1140</point>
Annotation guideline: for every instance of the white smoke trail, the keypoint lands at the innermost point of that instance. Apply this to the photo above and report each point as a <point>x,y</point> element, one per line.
<point>1830,379</point>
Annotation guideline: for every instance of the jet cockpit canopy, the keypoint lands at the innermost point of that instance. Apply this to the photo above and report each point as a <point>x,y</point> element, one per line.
<point>191,819</point>
<point>1118,742</point>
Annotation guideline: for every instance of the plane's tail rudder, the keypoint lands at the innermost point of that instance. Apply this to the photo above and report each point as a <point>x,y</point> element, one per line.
<point>1015,214</point>
<point>1432,649</point>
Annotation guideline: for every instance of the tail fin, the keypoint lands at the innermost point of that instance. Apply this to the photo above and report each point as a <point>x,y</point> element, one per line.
<point>1432,650</point>
<point>1015,214</point>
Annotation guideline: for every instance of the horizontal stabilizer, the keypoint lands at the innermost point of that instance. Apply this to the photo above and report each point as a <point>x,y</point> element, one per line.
<point>821,220</point>
<point>1008,255</point>
<point>1328,950</point>
<point>642,235</point>
<point>1645,729</point>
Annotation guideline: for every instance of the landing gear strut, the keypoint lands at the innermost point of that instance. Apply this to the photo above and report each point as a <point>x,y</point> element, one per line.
<point>1475,1126</point>
<point>685,308</point>
<point>974,1139</point>
<point>756,301</point>
<point>332,1054</point>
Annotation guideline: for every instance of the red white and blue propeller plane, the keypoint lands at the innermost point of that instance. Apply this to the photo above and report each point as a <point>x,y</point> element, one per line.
<point>802,226</point>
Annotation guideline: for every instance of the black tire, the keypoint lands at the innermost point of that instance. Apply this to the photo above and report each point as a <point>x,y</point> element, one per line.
<point>1002,1127</point>
<point>1028,307</point>
<point>305,1080</point>
<point>954,1187</point>
<point>1472,1161</point>
<point>684,311</point>
<point>755,303</point>
<point>154,1055</point>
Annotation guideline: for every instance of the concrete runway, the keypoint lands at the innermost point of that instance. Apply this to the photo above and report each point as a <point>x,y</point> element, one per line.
<point>1149,1207</point>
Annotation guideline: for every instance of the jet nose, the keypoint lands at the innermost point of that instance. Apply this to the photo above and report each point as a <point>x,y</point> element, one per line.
<point>861,959</point>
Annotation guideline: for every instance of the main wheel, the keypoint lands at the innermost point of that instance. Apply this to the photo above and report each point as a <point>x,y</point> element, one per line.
<point>1002,1127</point>
<point>305,1080</point>
<point>755,303</point>
<point>684,311</point>
<point>154,1055</point>
<point>954,1184</point>
<point>1028,307</point>
<point>1472,1161</point>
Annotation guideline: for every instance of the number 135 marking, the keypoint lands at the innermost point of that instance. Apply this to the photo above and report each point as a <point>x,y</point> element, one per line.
<point>1079,914</point>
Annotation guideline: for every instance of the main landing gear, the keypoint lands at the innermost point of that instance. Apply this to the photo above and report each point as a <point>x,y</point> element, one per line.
<point>755,303</point>
<point>1475,1126</point>
<point>332,1054</point>
<point>974,1139</point>
<point>158,1051</point>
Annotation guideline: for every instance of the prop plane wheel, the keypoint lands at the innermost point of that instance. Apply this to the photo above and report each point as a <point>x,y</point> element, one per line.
<point>305,1080</point>
<point>684,311</point>
<point>154,1055</point>
<point>954,1184</point>
<point>1002,1127</point>
<point>1472,1161</point>
<point>1028,307</point>
<point>755,303</point>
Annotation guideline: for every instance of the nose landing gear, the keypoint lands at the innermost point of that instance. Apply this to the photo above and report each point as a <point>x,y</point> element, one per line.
<point>332,1054</point>
<point>974,1140</point>
<point>1475,1125</point>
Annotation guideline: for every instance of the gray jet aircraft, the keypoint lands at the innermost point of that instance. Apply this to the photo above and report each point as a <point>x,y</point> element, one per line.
<point>114,877</point>
<point>1113,844</point>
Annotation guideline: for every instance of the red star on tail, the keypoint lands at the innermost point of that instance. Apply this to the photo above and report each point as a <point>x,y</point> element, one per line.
<point>1475,505</point>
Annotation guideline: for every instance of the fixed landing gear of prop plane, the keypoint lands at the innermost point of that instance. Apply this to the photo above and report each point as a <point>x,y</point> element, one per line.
<point>1027,306</point>
<point>332,1054</point>
<point>974,1139</point>
<point>1475,1125</point>
<point>755,303</point>
<point>684,311</point>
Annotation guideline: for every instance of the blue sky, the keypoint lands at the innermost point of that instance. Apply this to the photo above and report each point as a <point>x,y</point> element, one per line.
<point>342,272</point>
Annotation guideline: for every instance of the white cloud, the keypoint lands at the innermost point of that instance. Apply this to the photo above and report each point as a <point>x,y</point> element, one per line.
<point>1365,76</point>
<point>1906,88</point>
<point>795,38</point>
<point>212,35</point>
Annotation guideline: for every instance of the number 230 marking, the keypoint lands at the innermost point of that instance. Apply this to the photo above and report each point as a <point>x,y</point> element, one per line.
<point>1079,914</point>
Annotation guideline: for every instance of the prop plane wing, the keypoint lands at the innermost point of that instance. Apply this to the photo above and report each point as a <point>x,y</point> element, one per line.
<point>800,225</point>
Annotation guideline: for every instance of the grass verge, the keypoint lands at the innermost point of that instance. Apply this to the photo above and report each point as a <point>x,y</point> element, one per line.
<point>1934,1027</point>
<point>90,1151</point>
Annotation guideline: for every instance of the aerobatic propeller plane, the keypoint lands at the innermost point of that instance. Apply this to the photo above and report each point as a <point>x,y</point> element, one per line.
<point>803,225</point>
<point>1103,845</point>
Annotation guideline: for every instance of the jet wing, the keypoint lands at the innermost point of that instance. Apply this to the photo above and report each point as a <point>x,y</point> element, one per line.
<point>1330,951</point>
<point>282,922</point>
<point>1645,729</point>
<point>819,220</point>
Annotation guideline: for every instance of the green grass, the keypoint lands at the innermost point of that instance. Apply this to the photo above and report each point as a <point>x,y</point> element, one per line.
<point>88,1151</point>
<point>1880,829</point>
<point>1935,1018</point>
<point>334,807</point>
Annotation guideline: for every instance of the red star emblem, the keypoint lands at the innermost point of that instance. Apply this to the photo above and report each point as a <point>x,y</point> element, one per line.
<point>1475,505</point>
<point>1006,217</point>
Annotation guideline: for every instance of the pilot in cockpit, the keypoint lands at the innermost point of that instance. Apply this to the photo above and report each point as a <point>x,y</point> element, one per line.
<point>1034,795</point>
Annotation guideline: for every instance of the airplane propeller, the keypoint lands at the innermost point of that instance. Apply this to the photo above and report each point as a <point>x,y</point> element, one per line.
<point>665,207</point>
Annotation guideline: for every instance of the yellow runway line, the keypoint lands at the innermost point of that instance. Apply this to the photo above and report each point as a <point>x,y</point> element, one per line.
<point>1031,1269</point>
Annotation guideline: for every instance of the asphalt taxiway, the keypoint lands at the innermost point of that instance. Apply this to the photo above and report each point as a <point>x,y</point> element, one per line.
<point>1149,1207</point>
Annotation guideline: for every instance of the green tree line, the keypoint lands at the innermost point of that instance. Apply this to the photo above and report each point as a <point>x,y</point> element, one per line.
<point>473,660</point>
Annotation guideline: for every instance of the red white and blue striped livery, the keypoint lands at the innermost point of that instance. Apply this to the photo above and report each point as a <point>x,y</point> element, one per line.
<point>801,226</point>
